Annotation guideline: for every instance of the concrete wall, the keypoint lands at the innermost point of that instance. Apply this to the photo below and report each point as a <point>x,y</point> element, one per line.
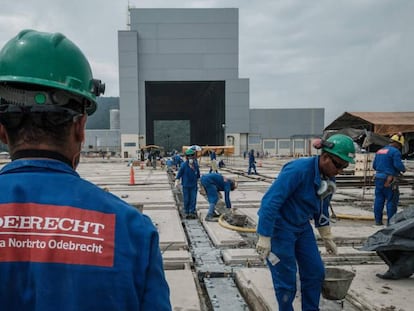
<point>131,113</point>
<point>180,45</point>
<point>285,131</point>
<point>202,45</point>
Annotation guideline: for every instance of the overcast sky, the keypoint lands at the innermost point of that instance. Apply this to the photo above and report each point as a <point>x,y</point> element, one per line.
<point>341,55</point>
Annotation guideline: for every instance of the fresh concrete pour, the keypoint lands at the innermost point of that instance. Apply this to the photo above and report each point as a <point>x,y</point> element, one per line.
<point>236,256</point>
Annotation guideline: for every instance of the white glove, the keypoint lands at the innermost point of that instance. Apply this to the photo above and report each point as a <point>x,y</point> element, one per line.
<point>176,183</point>
<point>326,235</point>
<point>263,246</point>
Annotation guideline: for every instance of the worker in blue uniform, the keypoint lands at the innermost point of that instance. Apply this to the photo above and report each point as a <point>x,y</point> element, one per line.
<point>177,160</point>
<point>388,166</point>
<point>301,192</point>
<point>189,175</point>
<point>213,183</point>
<point>213,162</point>
<point>252,163</point>
<point>65,243</point>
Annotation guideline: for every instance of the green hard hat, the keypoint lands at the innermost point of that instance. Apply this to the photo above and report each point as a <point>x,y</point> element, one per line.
<point>189,152</point>
<point>342,146</point>
<point>49,60</point>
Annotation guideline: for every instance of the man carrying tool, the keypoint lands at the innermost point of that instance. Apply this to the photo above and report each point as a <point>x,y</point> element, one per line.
<point>213,183</point>
<point>66,243</point>
<point>301,192</point>
<point>189,174</point>
<point>388,166</point>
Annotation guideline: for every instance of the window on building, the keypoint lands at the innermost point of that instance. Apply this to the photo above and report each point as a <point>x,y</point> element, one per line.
<point>300,144</point>
<point>269,144</point>
<point>284,144</point>
<point>254,139</point>
<point>130,144</point>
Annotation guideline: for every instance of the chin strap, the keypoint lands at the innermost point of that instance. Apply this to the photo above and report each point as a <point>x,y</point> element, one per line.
<point>33,153</point>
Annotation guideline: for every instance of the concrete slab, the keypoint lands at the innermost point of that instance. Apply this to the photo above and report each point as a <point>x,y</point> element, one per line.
<point>171,232</point>
<point>146,197</point>
<point>251,213</point>
<point>183,291</point>
<point>243,256</point>
<point>246,196</point>
<point>177,260</point>
<point>221,236</point>
<point>373,293</point>
<point>256,284</point>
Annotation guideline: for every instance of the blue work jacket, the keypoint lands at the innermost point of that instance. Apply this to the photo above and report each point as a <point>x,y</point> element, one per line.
<point>214,182</point>
<point>387,162</point>
<point>251,158</point>
<point>189,176</point>
<point>66,244</point>
<point>292,199</point>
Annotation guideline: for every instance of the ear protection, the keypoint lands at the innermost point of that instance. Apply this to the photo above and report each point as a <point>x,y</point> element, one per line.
<point>327,188</point>
<point>321,143</point>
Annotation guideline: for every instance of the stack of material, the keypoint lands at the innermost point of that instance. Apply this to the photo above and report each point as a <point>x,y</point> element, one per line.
<point>363,164</point>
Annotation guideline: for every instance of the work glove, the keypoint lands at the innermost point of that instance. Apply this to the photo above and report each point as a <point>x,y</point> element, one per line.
<point>176,183</point>
<point>326,235</point>
<point>263,246</point>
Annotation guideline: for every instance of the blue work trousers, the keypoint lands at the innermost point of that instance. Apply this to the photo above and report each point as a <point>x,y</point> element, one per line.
<point>382,195</point>
<point>190,199</point>
<point>297,250</point>
<point>252,166</point>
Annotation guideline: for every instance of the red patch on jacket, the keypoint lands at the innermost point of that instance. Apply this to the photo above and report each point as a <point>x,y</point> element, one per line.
<point>53,233</point>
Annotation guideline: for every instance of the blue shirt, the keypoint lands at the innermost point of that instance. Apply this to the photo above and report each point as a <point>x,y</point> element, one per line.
<point>251,158</point>
<point>68,245</point>
<point>214,182</point>
<point>189,176</point>
<point>387,162</point>
<point>292,199</point>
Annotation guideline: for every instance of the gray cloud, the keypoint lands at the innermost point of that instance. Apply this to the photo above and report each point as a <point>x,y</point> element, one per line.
<point>343,55</point>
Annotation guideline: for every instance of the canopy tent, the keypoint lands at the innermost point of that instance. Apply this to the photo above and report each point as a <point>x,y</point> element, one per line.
<point>364,138</point>
<point>381,123</point>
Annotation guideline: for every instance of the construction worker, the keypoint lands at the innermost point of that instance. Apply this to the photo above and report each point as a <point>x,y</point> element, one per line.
<point>388,166</point>
<point>301,192</point>
<point>66,243</point>
<point>213,162</point>
<point>252,163</point>
<point>213,183</point>
<point>177,160</point>
<point>189,173</point>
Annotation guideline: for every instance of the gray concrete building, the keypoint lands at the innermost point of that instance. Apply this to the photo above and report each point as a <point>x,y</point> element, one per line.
<point>180,85</point>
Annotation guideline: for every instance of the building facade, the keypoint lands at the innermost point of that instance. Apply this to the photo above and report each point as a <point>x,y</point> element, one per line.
<point>180,85</point>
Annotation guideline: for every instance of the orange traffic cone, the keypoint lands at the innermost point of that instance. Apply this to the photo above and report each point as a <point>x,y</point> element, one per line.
<point>132,176</point>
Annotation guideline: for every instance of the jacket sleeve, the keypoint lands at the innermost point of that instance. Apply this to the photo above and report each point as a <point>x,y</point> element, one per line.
<point>180,172</point>
<point>397,162</point>
<point>280,191</point>
<point>156,294</point>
